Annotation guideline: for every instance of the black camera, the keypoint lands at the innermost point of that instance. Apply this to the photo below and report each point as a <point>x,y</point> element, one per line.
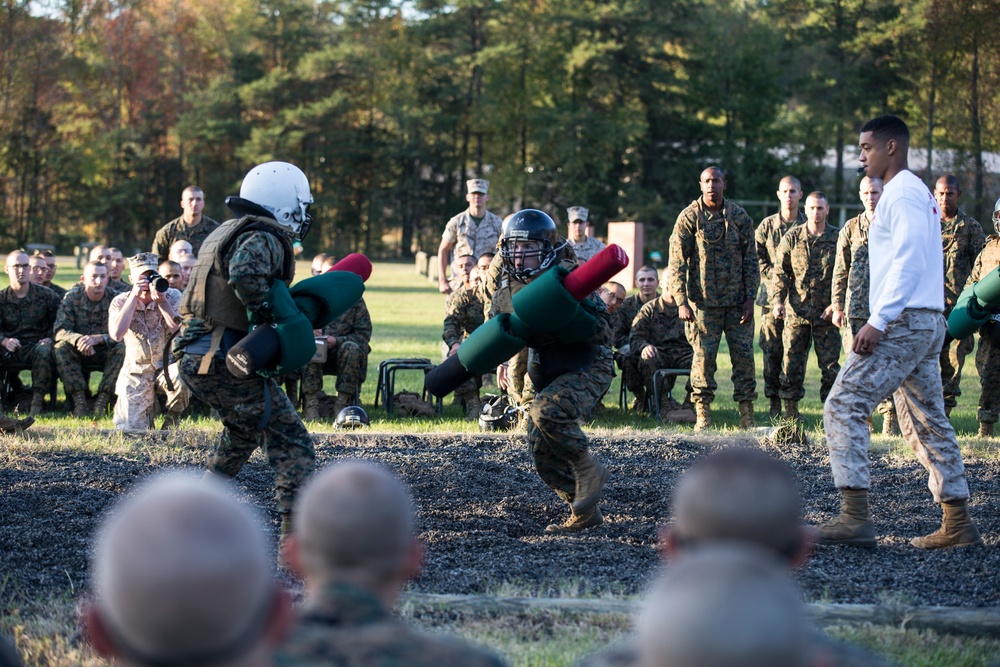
<point>157,282</point>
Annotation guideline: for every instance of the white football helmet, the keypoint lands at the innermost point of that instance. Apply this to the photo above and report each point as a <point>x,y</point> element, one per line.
<point>283,190</point>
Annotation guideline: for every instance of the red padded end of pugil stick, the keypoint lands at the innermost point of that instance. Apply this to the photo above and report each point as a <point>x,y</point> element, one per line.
<point>596,271</point>
<point>354,263</point>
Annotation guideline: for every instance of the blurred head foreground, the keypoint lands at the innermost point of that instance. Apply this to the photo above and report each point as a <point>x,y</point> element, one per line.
<point>182,575</point>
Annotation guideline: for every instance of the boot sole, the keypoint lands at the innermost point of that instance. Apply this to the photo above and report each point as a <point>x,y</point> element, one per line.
<point>559,529</point>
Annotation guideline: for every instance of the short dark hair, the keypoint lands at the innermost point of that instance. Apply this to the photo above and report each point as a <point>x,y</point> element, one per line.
<point>646,267</point>
<point>816,194</point>
<point>888,127</point>
<point>952,181</point>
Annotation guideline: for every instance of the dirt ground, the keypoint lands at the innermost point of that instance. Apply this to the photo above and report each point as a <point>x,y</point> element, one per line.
<point>483,512</point>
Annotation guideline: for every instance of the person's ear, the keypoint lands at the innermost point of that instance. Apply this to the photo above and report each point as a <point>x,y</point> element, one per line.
<point>97,635</point>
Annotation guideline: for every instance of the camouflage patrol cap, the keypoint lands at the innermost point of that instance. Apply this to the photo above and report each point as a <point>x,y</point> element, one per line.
<point>139,264</point>
<point>477,185</point>
<point>577,213</point>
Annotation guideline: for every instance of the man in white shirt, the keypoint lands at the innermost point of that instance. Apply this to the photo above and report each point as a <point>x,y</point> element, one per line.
<point>898,347</point>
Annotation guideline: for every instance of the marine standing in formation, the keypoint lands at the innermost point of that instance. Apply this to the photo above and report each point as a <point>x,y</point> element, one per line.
<point>803,280</point>
<point>192,225</point>
<point>962,240</point>
<point>714,276</point>
<point>768,235</point>
<point>475,231</point>
<point>230,289</point>
<point>583,245</point>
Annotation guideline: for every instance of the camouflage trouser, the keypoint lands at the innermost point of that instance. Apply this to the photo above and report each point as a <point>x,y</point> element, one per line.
<point>888,406</point>
<point>603,372</point>
<point>774,351</point>
<point>137,387</point>
<point>43,364</point>
<point>905,357</point>
<point>952,360</point>
<point>988,364</point>
<point>71,364</point>
<point>555,439</point>
<point>520,388</point>
<point>797,335</point>
<point>631,375</point>
<point>704,334</point>
<point>679,357</point>
<point>241,403</point>
<point>347,361</point>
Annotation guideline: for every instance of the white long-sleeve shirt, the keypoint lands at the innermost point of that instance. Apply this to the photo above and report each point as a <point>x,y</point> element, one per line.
<point>904,251</point>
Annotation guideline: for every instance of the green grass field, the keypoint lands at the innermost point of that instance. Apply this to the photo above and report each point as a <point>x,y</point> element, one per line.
<point>407,311</point>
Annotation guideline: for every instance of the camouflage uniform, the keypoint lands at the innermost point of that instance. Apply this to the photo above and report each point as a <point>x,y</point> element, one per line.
<point>988,354</point>
<point>588,248</point>
<point>713,269</point>
<point>463,314</point>
<point>78,316</point>
<point>178,230</point>
<point>851,285</point>
<point>627,356</point>
<point>346,625</point>
<point>142,371</point>
<point>906,357</point>
<point>30,321</point>
<point>255,412</point>
<point>962,240</point>
<point>657,324</point>
<point>560,405</point>
<point>117,286</point>
<point>768,237</point>
<point>803,280</point>
<point>349,359</point>
<point>58,289</point>
<point>471,236</point>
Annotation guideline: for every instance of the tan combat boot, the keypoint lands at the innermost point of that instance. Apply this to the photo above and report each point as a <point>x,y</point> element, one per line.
<point>576,522</point>
<point>37,403</point>
<point>310,407</point>
<point>702,416</point>
<point>590,477</point>
<point>746,414</point>
<point>101,404</point>
<point>957,529</point>
<point>79,404</point>
<point>343,400</point>
<point>890,423</point>
<point>638,403</point>
<point>792,410</point>
<point>11,425</point>
<point>853,526</point>
<point>775,411</point>
<point>171,421</point>
<point>473,406</point>
<point>985,429</point>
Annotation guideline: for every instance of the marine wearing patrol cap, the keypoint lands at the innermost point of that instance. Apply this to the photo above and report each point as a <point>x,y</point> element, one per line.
<point>577,213</point>
<point>474,185</point>
<point>139,264</point>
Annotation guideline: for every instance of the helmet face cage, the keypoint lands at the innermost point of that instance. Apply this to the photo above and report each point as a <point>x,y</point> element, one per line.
<point>352,416</point>
<point>996,217</point>
<point>529,225</point>
<point>497,414</point>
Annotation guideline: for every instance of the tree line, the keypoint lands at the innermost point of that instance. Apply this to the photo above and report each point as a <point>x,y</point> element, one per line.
<point>108,108</point>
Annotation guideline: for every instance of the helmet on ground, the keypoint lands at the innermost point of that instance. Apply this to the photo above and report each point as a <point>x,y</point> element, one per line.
<point>525,226</point>
<point>996,216</point>
<point>283,190</point>
<point>497,414</point>
<point>353,416</point>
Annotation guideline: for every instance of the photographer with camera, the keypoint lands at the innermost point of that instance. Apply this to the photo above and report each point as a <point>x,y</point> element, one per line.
<point>145,317</point>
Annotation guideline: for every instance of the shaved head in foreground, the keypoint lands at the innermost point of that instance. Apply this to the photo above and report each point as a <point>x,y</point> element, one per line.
<point>731,606</point>
<point>183,575</point>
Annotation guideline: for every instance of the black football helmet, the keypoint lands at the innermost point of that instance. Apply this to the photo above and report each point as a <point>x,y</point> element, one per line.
<point>530,225</point>
<point>353,416</point>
